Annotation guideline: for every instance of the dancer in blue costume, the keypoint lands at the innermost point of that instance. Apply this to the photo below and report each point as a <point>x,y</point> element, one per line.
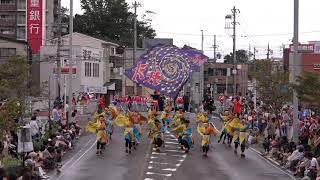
<point>109,129</point>
<point>136,129</point>
<point>158,130</point>
<point>186,139</point>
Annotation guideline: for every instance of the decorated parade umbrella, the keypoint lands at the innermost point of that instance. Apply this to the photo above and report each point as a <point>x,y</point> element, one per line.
<point>166,69</point>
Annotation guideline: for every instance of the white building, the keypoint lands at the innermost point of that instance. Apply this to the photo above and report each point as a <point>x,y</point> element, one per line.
<point>91,61</point>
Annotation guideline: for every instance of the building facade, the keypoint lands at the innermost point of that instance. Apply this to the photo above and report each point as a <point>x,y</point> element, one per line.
<point>218,78</point>
<point>11,47</point>
<point>13,18</point>
<point>91,62</point>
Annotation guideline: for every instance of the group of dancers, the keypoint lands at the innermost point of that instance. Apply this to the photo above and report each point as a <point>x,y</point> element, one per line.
<point>233,129</point>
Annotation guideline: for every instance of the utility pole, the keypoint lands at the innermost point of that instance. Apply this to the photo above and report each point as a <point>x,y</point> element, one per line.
<point>70,62</point>
<point>215,49</point>
<point>59,30</point>
<point>135,5</point>
<point>268,53</point>
<point>249,53</point>
<point>295,70</point>
<point>49,104</point>
<point>201,72</point>
<point>254,81</point>
<point>234,23</point>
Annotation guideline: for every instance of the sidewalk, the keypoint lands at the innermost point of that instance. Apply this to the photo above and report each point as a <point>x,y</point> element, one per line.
<point>80,145</point>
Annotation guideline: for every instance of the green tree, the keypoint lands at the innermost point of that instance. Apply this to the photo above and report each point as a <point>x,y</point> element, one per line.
<point>111,20</point>
<point>9,111</point>
<point>14,78</point>
<point>308,90</point>
<point>241,55</point>
<point>272,86</point>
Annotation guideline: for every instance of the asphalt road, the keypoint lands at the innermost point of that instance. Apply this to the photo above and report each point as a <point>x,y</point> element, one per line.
<point>172,164</point>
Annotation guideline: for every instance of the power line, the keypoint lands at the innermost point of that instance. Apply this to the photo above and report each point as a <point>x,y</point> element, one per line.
<point>247,35</point>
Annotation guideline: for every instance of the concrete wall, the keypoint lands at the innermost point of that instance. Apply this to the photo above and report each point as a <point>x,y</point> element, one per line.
<point>47,65</point>
<point>21,49</point>
<point>100,50</point>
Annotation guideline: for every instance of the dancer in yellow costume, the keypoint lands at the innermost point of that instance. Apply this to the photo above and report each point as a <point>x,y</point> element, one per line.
<point>226,118</point>
<point>239,134</point>
<point>205,130</point>
<point>101,135</point>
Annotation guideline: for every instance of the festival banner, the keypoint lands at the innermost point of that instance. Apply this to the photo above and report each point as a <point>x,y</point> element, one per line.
<point>34,24</point>
<point>166,68</point>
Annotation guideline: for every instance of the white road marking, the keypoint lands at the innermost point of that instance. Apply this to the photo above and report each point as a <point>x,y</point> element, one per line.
<point>151,173</point>
<point>169,169</point>
<point>184,156</point>
<point>173,150</point>
<point>162,163</point>
<point>77,160</point>
<point>167,142</point>
<point>156,153</point>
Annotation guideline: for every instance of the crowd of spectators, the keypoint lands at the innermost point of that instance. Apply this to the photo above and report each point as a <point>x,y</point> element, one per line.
<point>50,143</point>
<point>275,133</point>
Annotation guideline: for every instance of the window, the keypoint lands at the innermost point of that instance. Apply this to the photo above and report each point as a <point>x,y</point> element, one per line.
<point>21,4</point>
<point>87,69</point>
<point>95,70</point>
<point>6,1</point>
<point>21,19</point>
<point>210,71</point>
<point>7,16</point>
<point>7,52</point>
<point>220,72</point>
<point>21,33</point>
<point>112,51</point>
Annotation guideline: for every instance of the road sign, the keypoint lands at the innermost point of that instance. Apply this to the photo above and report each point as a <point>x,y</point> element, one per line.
<point>65,71</point>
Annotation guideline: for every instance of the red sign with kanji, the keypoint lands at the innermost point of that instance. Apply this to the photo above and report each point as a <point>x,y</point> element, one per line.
<point>34,24</point>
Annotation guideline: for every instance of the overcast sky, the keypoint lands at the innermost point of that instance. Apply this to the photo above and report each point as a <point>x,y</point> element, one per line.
<point>261,21</point>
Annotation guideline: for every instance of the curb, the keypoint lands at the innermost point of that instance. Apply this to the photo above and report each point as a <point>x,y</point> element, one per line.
<point>274,163</point>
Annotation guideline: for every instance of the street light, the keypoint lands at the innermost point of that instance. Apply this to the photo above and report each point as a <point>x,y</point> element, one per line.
<point>231,20</point>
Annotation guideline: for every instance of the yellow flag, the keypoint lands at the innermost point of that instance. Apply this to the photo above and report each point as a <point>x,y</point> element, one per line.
<point>92,127</point>
<point>121,120</point>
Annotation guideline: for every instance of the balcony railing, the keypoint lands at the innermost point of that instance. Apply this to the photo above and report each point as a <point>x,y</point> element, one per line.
<point>8,7</point>
<point>7,22</point>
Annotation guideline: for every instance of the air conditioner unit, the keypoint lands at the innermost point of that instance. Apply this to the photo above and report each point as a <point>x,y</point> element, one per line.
<point>111,65</point>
